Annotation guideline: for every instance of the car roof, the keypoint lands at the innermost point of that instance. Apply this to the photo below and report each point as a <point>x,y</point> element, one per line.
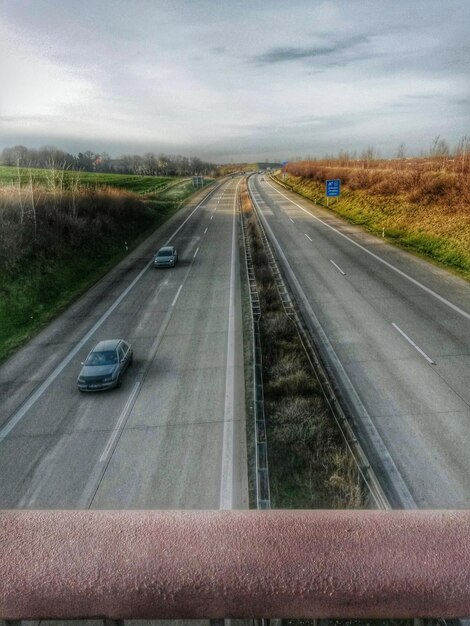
<point>106,345</point>
<point>166,248</point>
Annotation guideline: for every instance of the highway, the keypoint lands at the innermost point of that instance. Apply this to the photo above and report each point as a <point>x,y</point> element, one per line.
<point>173,436</point>
<point>394,331</point>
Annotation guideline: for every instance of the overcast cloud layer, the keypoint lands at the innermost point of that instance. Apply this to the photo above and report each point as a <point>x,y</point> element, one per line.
<point>243,80</point>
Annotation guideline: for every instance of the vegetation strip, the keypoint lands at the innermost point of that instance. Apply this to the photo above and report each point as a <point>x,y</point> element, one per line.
<point>263,497</point>
<point>310,464</point>
<point>418,204</point>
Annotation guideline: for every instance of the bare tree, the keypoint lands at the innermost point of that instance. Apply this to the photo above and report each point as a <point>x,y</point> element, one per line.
<point>19,192</point>
<point>368,155</point>
<point>74,183</point>
<point>462,152</point>
<point>33,203</point>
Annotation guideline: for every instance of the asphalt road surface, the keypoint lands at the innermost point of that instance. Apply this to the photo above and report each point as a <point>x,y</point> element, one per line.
<point>173,436</point>
<point>396,331</point>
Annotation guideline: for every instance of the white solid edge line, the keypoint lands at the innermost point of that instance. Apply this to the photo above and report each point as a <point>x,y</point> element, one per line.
<point>378,258</point>
<point>195,254</point>
<point>24,408</point>
<point>177,295</point>
<point>338,267</point>
<point>416,347</point>
<point>308,237</point>
<point>119,423</point>
<point>226,479</point>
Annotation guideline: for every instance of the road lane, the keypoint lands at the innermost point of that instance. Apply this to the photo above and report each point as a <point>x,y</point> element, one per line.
<point>20,375</point>
<point>60,452</point>
<point>421,409</point>
<point>179,419</point>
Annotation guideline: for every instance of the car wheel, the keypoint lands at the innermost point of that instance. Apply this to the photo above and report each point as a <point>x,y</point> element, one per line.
<point>119,382</point>
<point>131,360</point>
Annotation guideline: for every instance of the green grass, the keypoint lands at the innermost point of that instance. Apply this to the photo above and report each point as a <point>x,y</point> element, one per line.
<point>180,191</point>
<point>129,182</point>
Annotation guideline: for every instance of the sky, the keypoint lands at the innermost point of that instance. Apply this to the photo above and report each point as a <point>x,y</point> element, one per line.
<point>234,81</point>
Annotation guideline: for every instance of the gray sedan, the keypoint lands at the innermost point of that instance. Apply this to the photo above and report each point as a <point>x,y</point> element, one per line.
<point>105,365</point>
<point>166,257</point>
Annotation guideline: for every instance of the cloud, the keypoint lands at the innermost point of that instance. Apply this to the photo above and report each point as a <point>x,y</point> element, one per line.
<point>286,54</point>
<point>192,77</point>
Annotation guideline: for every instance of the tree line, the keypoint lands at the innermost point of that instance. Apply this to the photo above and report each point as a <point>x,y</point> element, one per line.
<point>439,156</point>
<point>149,164</point>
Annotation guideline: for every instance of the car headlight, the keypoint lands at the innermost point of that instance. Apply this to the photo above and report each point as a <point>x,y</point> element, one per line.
<point>108,379</point>
<point>81,379</point>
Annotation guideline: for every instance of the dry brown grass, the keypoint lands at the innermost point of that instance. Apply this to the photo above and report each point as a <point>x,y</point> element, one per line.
<point>37,220</point>
<point>419,180</point>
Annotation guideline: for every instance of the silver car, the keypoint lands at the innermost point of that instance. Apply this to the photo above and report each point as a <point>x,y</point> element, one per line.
<point>166,257</point>
<point>105,365</point>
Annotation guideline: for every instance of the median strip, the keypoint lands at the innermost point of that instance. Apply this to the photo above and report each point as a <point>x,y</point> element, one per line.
<point>310,465</point>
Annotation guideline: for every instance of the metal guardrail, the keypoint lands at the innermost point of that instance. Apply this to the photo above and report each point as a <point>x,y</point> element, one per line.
<point>234,564</point>
<point>263,494</point>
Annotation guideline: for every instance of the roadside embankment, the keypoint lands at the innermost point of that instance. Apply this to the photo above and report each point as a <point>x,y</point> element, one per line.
<point>427,212</point>
<point>56,242</point>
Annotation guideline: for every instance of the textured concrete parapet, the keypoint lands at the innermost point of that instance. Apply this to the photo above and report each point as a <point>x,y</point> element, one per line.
<point>240,564</point>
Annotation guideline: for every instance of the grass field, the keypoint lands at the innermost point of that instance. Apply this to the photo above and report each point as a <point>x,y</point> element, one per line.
<point>427,212</point>
<point>137,184</point>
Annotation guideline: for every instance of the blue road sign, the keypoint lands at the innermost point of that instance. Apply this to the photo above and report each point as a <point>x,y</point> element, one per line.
<point>333,187</point>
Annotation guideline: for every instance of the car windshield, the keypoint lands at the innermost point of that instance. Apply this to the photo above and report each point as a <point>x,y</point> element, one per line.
<point>165,253</point>
<point>102,358</point>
